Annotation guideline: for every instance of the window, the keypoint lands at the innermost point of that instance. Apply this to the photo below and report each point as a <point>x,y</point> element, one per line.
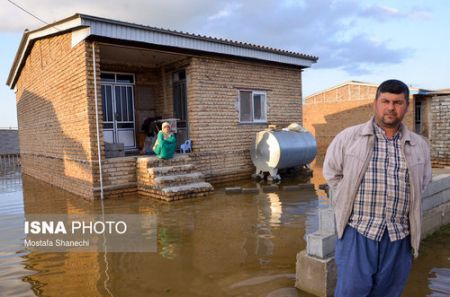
<point>123,78</point>
<point>179,75</point>
<point>252,107</point>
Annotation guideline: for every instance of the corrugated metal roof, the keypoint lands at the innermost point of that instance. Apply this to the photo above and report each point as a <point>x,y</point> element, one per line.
<point>134,32</point>
<point>442,92</point>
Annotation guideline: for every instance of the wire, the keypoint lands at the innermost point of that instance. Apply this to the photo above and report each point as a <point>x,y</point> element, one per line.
<point>26,11</point>
<point>23,9</point>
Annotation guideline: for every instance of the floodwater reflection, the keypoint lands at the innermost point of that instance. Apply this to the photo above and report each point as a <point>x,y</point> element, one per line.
<point>223,245</point>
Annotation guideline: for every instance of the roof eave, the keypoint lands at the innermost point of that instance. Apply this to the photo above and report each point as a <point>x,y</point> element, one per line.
<point>314,59</point>
<point>12,71</point>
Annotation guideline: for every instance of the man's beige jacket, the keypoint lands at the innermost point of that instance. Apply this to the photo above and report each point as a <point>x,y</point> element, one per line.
<point>346,162</point>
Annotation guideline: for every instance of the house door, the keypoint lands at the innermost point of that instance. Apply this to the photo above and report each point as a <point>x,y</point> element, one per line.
<point>180,105</point>
<point>118,114</point>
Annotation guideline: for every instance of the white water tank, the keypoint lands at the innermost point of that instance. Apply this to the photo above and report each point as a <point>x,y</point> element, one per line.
<point>274,150</point>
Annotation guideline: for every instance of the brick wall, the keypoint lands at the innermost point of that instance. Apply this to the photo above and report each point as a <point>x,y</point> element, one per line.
<point>119,171</point>
<point>328,113</point>
<point>440,130</point>
<point>344,93</point>
<point>221,144</point>
<point>55,115</point>
<point>326,120</point>
<point>119,177</point>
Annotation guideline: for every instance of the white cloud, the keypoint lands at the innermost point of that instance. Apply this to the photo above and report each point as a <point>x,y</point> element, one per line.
<point>228,10</point>
<point>420,15</point>
<point>385,13</point>
<point>221,14</point>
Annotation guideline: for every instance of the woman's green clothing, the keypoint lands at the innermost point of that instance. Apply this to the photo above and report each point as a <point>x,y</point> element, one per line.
<point>165,148</point>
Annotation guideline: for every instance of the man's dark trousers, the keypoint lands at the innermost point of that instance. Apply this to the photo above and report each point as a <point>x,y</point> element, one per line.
<point>371,268</point>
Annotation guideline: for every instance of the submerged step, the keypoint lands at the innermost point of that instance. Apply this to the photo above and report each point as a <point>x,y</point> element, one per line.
<point>170,170</point>
<point>188,189</point>
<point>178,159</point>
<point>179,178</point>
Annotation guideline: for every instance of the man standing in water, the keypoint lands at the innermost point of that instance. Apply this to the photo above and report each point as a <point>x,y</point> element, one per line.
<point>377,172</point>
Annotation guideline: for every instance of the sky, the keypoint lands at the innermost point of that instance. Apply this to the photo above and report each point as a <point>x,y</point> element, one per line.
<point>368,41</point>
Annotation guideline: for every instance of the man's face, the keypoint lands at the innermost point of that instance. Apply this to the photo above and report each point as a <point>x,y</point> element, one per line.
<point>390,109</point>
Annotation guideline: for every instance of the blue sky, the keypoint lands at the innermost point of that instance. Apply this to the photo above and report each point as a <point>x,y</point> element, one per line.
<point>368,40</point>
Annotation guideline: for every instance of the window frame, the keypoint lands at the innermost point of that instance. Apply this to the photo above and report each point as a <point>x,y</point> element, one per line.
<point>115,77</point>
<point>264,105</point>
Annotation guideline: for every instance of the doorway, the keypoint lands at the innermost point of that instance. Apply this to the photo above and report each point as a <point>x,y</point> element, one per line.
<point>118,108</point>
<point>180,105</point>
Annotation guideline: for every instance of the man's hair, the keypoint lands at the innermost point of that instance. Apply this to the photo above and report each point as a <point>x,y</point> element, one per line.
<point>393,86</point>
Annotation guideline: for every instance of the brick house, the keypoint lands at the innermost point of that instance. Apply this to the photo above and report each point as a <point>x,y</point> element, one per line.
<point>328,112</point>
<point>85,80</point>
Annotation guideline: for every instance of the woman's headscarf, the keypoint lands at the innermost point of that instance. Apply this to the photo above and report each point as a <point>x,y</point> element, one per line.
<point>166,134</point>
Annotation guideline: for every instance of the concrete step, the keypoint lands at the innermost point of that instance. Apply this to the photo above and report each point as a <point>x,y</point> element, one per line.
<point>170,170</point>
<point>187,189</point>
<point>179,179</point>
<point>178,159</point>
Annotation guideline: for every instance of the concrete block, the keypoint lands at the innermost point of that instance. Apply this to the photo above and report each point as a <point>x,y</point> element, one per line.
<point>438,184</point>
<point>321,245</point>
<point>250,190</point>
<point>315,276</point>
<point>434,200</point>
<point>434,218</point>
<point>327,222</point>
<point>233,190</point>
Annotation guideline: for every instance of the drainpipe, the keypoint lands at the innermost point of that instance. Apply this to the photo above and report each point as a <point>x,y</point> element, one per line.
<point>96,120</point>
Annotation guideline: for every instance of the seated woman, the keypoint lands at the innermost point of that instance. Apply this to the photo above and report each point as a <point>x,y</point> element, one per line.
<point>166,143</point>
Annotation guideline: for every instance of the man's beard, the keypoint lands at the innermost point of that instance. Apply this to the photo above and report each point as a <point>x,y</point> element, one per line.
<point>392,122</point>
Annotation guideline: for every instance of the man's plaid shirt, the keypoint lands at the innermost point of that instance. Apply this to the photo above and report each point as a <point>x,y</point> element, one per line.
<point>382,199</point>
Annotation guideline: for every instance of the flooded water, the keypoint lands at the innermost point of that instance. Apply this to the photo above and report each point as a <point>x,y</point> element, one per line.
<point>223,245</point>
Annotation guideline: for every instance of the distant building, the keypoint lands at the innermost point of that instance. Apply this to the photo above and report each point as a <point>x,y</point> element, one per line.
<point>328,112</point>
<point>9,141</point>
<point>432,120</point>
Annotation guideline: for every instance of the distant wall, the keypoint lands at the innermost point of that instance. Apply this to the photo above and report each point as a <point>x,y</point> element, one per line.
<point>9,141</point>
<point>440,130</point>
<point>327,113</point>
